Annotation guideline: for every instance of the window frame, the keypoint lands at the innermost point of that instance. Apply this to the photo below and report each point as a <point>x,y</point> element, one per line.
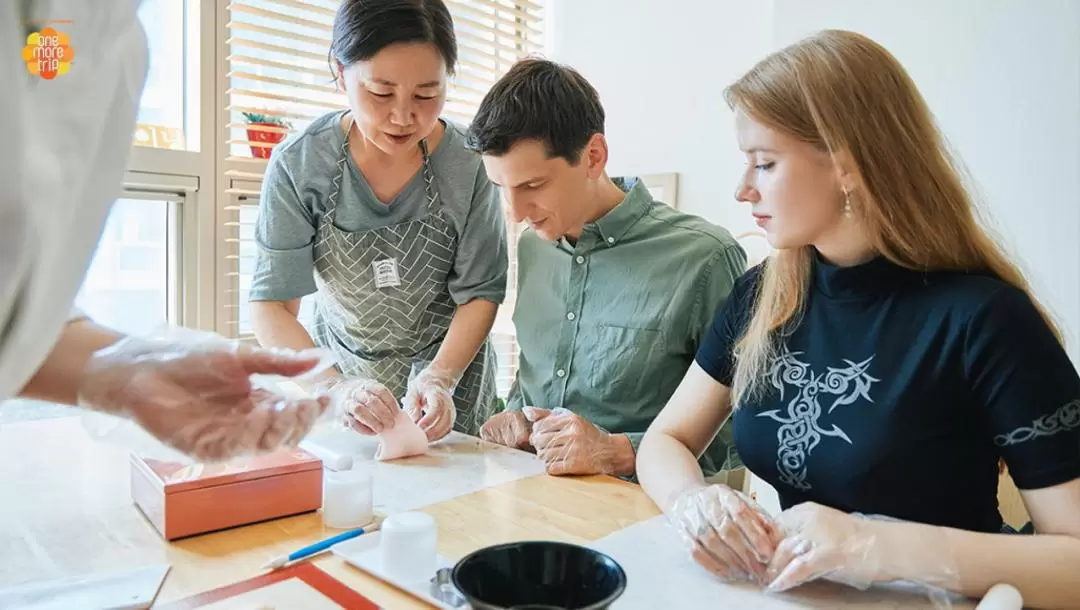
<point>190,174</point>
<point>176,288</point>
<point>183,230</point>
<point>239,192</point>
<point>178,193</point>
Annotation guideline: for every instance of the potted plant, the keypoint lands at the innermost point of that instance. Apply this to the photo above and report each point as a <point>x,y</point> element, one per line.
<point>264,136</point>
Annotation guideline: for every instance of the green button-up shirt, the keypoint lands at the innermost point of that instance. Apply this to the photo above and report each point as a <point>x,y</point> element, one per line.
<point>608,327</point>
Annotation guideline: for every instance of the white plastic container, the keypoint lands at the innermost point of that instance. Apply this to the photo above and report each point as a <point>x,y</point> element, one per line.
<point>347,498</point>
<point>408,546</point>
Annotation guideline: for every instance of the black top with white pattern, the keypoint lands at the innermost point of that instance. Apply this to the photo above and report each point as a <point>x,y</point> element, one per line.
<point>898,390</point>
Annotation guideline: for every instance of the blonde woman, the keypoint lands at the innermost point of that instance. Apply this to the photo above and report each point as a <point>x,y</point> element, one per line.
<point>878,364</point>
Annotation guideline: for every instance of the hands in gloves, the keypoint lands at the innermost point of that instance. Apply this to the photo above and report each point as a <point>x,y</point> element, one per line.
<point>509,428</point>
<point>733,537</point>
<point>370,408</point>
<point>569,444</point>
<point>857,550</point>
<point>429,400</point>
<point>821,541</point>
<point>198,396</point>
<point>728,534</point>
<point>367,406</point>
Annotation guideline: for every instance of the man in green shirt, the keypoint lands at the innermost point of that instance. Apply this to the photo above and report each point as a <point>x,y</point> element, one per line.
<point>615,290</point>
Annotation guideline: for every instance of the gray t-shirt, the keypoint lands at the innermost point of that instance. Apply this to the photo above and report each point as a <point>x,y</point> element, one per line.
<point>296,191</point>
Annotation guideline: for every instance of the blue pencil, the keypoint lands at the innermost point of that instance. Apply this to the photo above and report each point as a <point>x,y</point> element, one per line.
<point>318,547</point>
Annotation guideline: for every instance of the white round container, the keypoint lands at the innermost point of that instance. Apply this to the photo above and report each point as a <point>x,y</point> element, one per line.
<point>347,498</point>
<point>408,547</point>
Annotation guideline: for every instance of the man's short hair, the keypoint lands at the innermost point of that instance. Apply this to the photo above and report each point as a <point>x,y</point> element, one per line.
<point>539,100</point>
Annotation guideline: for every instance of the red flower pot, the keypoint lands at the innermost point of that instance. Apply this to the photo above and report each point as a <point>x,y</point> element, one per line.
<point>269,137</point>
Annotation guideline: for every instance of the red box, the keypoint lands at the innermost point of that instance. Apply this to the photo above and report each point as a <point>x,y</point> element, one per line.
<point>186,499</point>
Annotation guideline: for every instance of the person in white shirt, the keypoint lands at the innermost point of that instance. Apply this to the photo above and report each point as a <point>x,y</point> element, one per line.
<point>65,146</point>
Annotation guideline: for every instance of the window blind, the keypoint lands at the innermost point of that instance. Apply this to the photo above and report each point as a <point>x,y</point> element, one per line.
<point>278,81</point>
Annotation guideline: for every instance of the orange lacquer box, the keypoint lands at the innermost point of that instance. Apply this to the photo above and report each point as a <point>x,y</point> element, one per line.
<point>187,499</point>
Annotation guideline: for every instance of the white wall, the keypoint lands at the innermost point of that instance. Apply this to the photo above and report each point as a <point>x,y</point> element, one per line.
<point>661,74</point>
<point>1003,77</point>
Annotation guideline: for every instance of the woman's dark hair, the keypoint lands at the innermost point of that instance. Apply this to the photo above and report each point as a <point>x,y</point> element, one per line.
<point>362,28</point>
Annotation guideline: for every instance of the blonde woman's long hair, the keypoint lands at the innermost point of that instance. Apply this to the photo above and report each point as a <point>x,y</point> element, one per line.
<point>848,96</point>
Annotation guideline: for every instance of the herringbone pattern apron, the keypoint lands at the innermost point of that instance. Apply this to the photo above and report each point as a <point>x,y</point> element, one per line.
<point>383,301</point>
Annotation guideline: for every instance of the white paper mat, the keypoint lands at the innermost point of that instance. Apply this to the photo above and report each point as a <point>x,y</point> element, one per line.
<point>661,574</point>
<point>454,466</point>
<point>136,588</point>
<point>363,552</point>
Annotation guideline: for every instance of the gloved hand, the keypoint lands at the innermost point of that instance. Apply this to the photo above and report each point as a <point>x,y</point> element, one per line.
<point>429,400</point>
<point>856,550</point>
<point>509,428</point>
<point>198,397</point>
<point>367,406</point>
<point>570,444</point>
<point>728,534</point>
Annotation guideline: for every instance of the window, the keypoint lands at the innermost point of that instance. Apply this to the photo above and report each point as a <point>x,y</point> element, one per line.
<point>163,108</point>
<point>278,81</point>
<point>245,260</point>
<point>248,211</point>
<point>132,282</point>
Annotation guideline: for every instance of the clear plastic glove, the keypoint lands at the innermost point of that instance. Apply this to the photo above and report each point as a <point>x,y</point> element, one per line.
<point>727,533</point>
<point>509,428</point>
<point>364,405</point>
<point>856,550</point>
<point>196,393</point>
<point>429,400</point>
<point>569,444</point>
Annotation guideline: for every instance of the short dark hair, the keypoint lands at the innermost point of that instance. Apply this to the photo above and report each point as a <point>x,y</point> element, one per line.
<point>540,100</point>
<point>362,28</point>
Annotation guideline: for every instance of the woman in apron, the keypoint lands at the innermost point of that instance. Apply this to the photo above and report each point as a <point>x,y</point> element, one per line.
<point>382,213</point>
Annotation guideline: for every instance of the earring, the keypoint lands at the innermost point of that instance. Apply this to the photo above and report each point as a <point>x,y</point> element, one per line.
<point>847,204</point>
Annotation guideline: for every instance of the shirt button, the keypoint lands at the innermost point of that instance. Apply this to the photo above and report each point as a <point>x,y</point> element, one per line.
<point>560,373</point>
<point>570,316</point>
<point>580,259</point>
<point>611,240</point>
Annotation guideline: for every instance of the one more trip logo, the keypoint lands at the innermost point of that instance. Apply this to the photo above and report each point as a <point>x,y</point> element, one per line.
<point>48,53</point>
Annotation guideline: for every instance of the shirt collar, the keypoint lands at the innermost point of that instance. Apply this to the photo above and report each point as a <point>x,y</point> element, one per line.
<point>614,225</point>
<point>873,278</point>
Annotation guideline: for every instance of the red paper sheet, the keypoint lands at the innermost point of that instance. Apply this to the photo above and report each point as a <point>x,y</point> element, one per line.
<point>301,585</point>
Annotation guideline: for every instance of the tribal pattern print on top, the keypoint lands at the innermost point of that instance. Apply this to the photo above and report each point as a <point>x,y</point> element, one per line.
<point>898,379</point>
<point>1064,419</point>
<point>801,430</point>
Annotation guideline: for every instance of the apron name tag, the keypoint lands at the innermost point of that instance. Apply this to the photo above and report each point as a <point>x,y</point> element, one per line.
<point>386,273</point>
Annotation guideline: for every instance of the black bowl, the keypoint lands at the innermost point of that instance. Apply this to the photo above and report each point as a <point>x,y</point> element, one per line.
<point>539,575</point>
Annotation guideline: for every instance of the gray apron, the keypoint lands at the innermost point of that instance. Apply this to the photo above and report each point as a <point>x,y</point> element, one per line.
<point>383,303</point>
